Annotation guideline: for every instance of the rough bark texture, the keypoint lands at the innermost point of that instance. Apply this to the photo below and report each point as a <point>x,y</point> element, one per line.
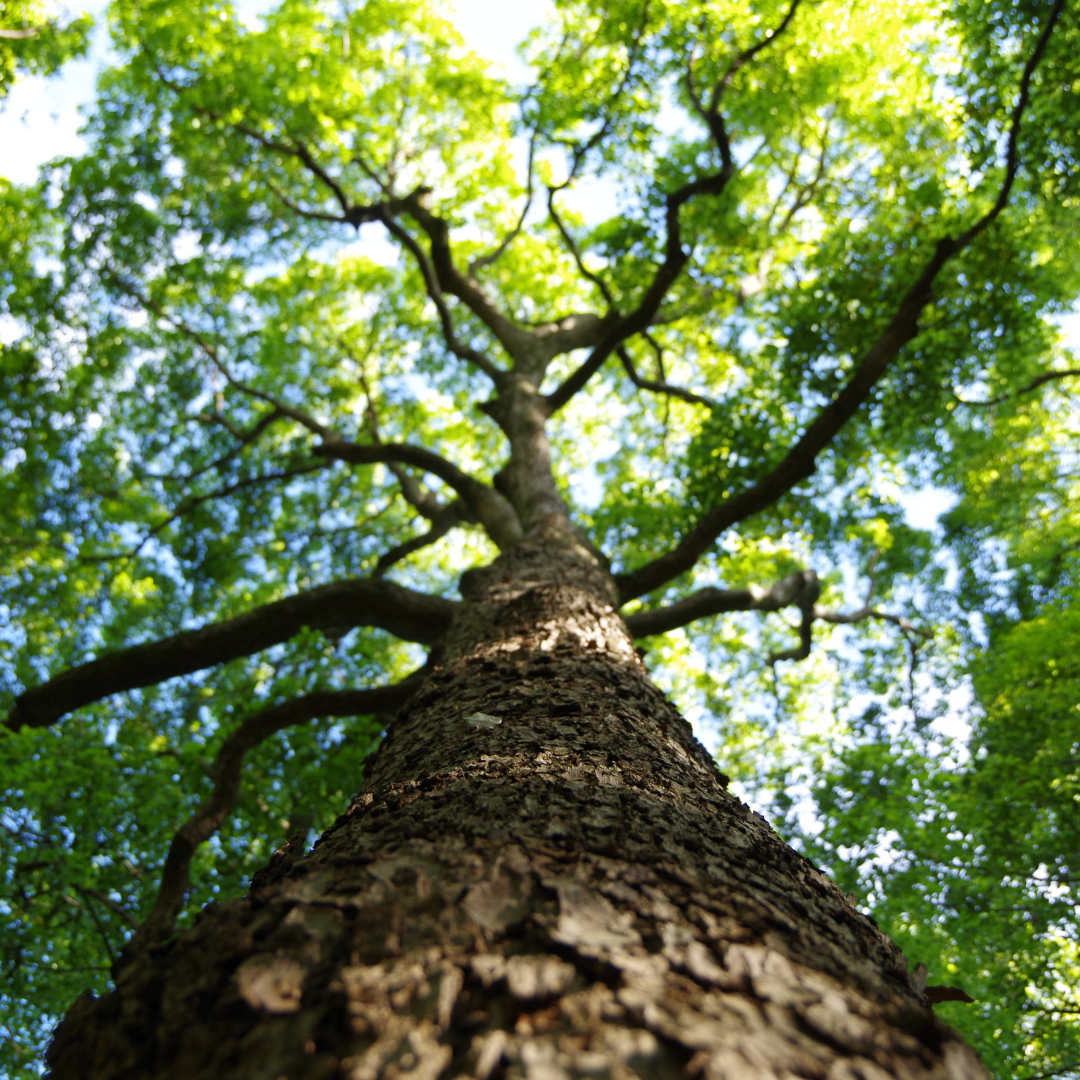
<point>568,892</point>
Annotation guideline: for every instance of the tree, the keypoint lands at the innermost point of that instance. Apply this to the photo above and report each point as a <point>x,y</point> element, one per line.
<point>829,232</point>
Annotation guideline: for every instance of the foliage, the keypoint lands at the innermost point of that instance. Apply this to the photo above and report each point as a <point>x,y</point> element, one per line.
<point>37,39</point>
<point>206,294</point>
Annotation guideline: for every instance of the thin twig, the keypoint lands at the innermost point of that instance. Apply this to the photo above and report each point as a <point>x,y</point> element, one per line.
<point>435,292</point>
<point>112,905</point>
<point>660,387</point>
<point>224,492</point>
<point>442,522</point>
<point>575,251</point>
<point>481,262</point>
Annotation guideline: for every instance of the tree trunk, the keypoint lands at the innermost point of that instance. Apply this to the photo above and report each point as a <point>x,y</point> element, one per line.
<point>544,877</point>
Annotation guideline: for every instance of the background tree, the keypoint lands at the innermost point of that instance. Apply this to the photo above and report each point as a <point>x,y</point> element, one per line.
<point>830,241</point>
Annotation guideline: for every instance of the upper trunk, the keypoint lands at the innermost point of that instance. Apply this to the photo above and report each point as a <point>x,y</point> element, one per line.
<point>543,876</point>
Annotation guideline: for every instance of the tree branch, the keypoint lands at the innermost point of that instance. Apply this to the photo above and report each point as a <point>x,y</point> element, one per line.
<point>441,277</point>
<point>675,257</point>
<point>744,58</point>
<point>705,602</point>
<point>423,500</point>
<point>806,638</point>
<point>224,492</point>
<point>864,613</point>
<point>433,282</point>
<point>660,387</point>
<point>801,460</point>
<point>440,274</point>
<point>800,589</point>
<point>117,909</point>
<point>447,518</point>
<point>446,278</point>
<point>210,350</point>
<point>228,770</point>
<point>1040,380</point>
<point>481,262</point>
<point>92,912</point>
<point>20,35</point>
<point>492,509</point>
<point>409,615</point>
<point>351,213</point>
<point>575,252</point>
<point>621,328</point>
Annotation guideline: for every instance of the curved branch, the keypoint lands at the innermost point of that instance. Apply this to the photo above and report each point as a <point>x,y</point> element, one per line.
<point>675,256</point>
<point>806,638</point>
<point>117,909</point>
<point>1040,380</point>
<point>442,276</point>
<point>227,490</point>
<point>744,58</point>
<point>575,251</point>
<point>530,346</point>
<point>705,602</point>
<point>801,460</point>
<point>355,214</point>
<point>210,350</point>
<point>640,319</point>
<point>409,615</point>
<point>800,589</point>
<point>244,439</point>
<point>228,770</point>
<point>867,612</point>
<point>481,262</point>
<point>492,509</point>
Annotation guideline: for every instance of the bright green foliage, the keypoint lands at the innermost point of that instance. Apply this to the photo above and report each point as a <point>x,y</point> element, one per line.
<point>968,849</point>
<point>174,298</point>
<point>36,38</point>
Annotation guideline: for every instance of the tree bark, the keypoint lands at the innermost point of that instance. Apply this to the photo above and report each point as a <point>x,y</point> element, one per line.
<point>544,877</point>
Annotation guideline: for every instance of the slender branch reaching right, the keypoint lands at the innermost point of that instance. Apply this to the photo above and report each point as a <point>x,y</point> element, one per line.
<point>660,387</point>
<point>491,508</point>
<point>223,492</point>
<point>447,518</point>
<point>435,292</point>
